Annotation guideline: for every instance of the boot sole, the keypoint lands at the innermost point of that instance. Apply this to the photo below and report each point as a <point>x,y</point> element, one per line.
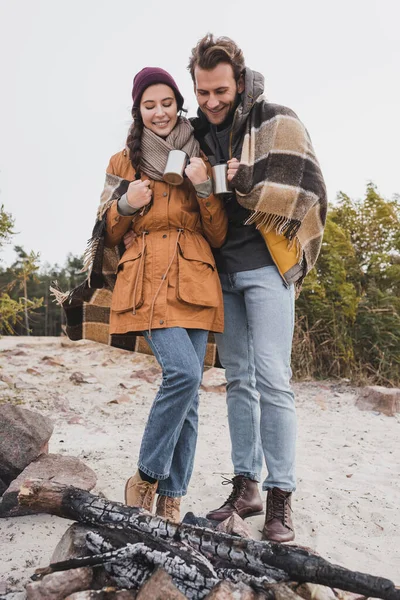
<point>125,492</point>
<point>253,514</point>
<point>248,516</point>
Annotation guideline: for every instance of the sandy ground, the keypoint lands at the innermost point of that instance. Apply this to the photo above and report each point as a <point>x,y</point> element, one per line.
<point>347,503</point>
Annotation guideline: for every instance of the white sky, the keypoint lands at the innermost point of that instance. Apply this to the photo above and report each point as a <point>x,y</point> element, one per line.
<point>66,70</point>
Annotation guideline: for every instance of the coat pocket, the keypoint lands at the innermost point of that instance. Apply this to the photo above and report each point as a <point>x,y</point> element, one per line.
<point>128,290</point>
<point>198,281</point>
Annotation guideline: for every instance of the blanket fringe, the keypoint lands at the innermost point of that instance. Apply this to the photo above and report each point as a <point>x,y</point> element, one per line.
<point>88,256</point>
<point>59,296</point>
<point>282,225</point>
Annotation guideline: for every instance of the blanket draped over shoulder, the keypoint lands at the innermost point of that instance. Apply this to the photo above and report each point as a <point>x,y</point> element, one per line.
<point>87,307</point>
<point>279,179</point>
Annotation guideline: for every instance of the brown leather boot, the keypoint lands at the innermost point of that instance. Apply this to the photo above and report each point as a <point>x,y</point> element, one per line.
<point>245,500</point>
<point>169,508</point>
<point>140,493</point>
<point>278,526</point>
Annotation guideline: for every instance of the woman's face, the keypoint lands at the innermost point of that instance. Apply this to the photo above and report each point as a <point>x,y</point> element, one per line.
<point>159,109</point>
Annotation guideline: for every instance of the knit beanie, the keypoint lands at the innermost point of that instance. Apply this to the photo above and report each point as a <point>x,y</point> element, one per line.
<point>150,76</point>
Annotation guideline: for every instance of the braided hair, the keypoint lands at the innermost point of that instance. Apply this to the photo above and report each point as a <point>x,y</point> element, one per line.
<point>133,140</point>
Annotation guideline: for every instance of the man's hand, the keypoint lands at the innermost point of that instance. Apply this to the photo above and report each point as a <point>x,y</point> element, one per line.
<point>129,238</point>
<point>196,171</point>
<point>139,193</point>
<point>233,166</point>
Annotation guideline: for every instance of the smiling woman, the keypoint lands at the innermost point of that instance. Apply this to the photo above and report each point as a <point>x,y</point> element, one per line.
<point>165,285</point>
<point>159,109</point>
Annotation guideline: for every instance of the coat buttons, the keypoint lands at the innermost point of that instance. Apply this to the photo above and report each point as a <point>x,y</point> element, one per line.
<point>161,322</point>
<point>165,235</point>
<point>165,194</point>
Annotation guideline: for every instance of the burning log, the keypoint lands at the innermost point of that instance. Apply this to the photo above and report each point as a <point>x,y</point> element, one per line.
<point>196,558</point>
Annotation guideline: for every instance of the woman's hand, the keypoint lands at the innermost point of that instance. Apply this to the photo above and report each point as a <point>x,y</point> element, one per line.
<point>233,166</point>
<point>196,171</point>
<point>139,193</point>
<point>129,238</point>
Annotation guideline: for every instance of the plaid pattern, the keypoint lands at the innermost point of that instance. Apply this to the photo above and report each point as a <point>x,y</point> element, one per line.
<point>280,180</point>
<point>87,307</point>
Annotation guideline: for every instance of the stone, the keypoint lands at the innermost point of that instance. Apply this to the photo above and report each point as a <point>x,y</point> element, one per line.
<point>67,470</point>
<point>79,378</point>
<point>23,435</point>
<point>234,525</point>
<point>56,586</point>
<point>379,399</point>
<point>160,587</point>
<point>225,590</point>
<point>73,545</point>
<point>214,381</point>
<point>315,591</point>
<point>3,487</point>
<point>105,594</point>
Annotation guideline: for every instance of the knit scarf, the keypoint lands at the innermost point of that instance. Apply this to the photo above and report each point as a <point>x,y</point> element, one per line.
<point>155,149</point>
<point>280,181</point>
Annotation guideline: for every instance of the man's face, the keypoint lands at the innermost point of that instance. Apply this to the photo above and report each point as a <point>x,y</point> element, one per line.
<point>216,91</point>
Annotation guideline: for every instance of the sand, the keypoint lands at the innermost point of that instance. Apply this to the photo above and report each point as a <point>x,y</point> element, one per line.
<point>347,502</point>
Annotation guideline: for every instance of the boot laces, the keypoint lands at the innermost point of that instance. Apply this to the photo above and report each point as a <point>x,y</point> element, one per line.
<point>279,507</point>
<point>238,489</point>
<point>146,492</point>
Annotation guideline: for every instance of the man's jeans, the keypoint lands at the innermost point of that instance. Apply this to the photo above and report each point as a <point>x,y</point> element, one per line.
<point>169,440</point>
<point>255,351</point>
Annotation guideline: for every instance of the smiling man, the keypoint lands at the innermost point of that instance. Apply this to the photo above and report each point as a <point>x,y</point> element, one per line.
<point>276,215</point>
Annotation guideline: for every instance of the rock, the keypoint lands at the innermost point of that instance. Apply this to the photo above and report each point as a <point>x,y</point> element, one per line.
<point>53,362</point>
<point>106,594</point>
<point>56,586</point>
<point>159,587</point>
<point>214,381</point>
<point>23,435</point>
<point>314,591</point>
<point>235,526</point>
<point>380,399</point>
<point>73,545</point>
<point>3,487</point>
<point>79,378</point>
<point>122,399</point>
<point>225,590</point>
<point>151,374</point>
<point>67,470</point>
<point>7,379</point>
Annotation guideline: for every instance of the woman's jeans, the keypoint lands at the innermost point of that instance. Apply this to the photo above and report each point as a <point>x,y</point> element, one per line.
<point>255,351</point>
<point>170,436</point>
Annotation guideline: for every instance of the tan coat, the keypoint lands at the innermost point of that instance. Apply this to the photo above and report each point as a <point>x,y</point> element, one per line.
<point>167,278</point>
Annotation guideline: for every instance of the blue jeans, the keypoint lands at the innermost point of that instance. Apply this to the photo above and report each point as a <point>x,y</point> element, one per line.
<point>255,351</point>
<point>170,436</point>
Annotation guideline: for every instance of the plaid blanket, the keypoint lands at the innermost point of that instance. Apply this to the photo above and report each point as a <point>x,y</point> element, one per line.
<point>279,179</point>
<point>87,307</point>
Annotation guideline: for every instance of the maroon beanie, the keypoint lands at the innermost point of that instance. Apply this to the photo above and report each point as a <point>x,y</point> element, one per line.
<point>150,76</point>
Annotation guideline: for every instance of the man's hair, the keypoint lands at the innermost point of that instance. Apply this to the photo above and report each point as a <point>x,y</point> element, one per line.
<point>210,52</point>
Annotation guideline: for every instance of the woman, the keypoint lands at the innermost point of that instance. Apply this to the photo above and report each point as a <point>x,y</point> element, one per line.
<point>167,286</point>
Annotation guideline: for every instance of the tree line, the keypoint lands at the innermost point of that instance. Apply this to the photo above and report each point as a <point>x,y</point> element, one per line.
<point>347,315</point>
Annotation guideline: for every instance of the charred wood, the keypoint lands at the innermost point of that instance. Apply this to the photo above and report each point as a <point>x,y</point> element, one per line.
<point>241,553</point>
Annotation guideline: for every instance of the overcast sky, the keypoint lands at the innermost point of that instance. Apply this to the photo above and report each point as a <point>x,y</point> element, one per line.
<point>66,72</point>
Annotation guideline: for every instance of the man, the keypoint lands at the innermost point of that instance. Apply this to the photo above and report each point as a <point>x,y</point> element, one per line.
<point>276,214</point>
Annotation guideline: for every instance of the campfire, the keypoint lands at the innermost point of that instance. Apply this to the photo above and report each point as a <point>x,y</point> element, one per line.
<point>126,552</point>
